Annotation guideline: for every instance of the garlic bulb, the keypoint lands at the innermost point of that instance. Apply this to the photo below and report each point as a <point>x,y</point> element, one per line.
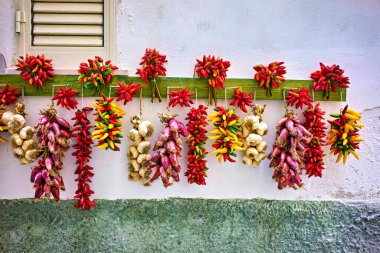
<point>253,129</point>
<point>24,147</point>
<point>138,151</point>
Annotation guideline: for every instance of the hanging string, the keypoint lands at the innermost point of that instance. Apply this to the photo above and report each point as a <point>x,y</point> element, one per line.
<point>312,96</point>
<point>82,96</point>
<point>254,96</point>
<point>140,103</point>
<point>196,98</point>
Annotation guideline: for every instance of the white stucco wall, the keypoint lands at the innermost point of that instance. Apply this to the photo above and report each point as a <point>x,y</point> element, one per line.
<point>246,32</point>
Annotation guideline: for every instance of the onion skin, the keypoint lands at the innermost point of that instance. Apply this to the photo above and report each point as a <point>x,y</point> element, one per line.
<point>47,179</point>
<point>164,162</point>
<point>288,152</point>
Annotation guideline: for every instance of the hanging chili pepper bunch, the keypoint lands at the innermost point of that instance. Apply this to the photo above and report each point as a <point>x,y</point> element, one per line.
<point>108,125</point>
<point>313,156</point>
<point>196,157</point>
<point>8,96</point>
<point>253,129</point>
<point>96,73</point>
<point>288,151</point>
<point>181,98</point>
<point>299,98</point>
<point>65,97</point>
<point>152,66</point>
<point>164,162</point>
<point>344,136</point>
<point>227,130</point>
<point>215,70</point>
<point>125,92</point>
<point>35,69</point>
<point>53,135</point>
<point>241,99</point>
<point>24,147</point>
<point>138,154</point>
<point>83,149</point>
<point>329,78</point>
<point>271,76</point>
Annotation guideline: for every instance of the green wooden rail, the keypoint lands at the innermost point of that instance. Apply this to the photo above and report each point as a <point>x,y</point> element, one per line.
<point>193,84</point>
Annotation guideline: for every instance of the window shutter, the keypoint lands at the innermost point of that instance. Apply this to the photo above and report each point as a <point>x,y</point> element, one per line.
<point>68,23</point>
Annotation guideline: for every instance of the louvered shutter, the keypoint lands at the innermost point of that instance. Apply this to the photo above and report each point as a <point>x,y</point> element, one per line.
<point>68,23</point>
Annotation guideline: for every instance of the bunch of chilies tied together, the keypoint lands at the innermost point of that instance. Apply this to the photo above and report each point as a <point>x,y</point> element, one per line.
<point>297,147</point>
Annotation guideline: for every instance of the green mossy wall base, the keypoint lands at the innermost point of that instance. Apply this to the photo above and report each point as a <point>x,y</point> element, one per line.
<point>190,225</point>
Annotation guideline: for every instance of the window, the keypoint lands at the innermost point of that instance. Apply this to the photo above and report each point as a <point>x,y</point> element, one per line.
<point>69,31</point>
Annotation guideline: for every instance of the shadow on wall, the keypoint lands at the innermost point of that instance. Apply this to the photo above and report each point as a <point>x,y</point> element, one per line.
<point>3,65</point>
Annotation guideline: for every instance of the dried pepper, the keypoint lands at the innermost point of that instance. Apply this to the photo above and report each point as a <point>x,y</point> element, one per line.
<point>152,66</point>
<point>8,96</point>
<point>127,91</point>
<point>241,99</point>
<point>329,78</point>
<point>108,126</point>
<point>215,71</point>
<point>35,69</point>
<point>83,149</point>
<point>181,98</point>
<point>227,130</point>
<point>344,135</point>
<point>65,97</point>
<point>271,76</point>
<point>299,98</point>
<point>313,156</point>
<point>96,73</point>
<point>196,157</point>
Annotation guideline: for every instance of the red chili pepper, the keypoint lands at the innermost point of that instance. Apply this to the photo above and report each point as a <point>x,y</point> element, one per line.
<point>127,91</point>
<point>35,69</point>
<point>196,162</point>
<point>299,98</point>
<point>314,154</point>
<point>8,96</point>
<point>270,76</point>
<point>329,78</point>
<point>83,150</point>
<point>65,97</point>
<point>241,99</point>
<point>181,98</point>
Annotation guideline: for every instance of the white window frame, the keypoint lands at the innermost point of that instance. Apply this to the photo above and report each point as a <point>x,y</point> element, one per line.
<point>65,58</point>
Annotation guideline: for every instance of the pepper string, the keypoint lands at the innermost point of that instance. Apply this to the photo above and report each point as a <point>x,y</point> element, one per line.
<point>35,69</point>
<point>227,130</point>
<point>270,76</point>
<point>329,78</point>
<point>196,162</point>
<point>108,125</point>
<point>344,136</point>
<point>313,156</point>
<point>83,149</point>
<point>152,66</point>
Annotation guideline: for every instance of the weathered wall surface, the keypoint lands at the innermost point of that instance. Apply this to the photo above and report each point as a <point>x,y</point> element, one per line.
<point>301,33</point>
<point>190,225</point>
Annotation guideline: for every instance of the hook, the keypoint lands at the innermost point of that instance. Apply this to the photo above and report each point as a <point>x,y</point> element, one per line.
<point>82,95</point>
<point>67,85</point>
<point>225,93</point>
<point>140,103</point>
<point>109,92</point>
<point>196,97</point>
